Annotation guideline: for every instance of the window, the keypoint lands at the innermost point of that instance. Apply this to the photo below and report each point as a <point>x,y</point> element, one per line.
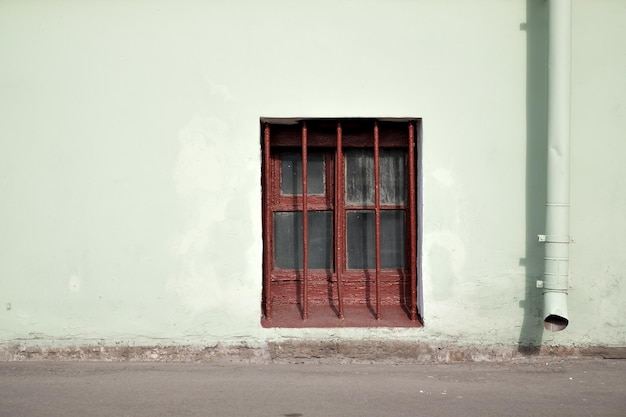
<point>340,222</point>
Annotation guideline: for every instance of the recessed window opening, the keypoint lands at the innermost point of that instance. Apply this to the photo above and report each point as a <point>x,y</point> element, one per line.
<point>340,216</point>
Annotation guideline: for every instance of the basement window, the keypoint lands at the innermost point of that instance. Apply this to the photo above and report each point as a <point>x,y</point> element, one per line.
<point>340,222</point>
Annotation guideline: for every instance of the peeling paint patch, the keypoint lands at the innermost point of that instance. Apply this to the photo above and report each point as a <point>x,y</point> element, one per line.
<point>74,284</point>
<point>199,159</point>
<point>214,220</point>
<point>444,259</point>
<point>199,165</point>
<point>220,90</point>
<point>444,177</point>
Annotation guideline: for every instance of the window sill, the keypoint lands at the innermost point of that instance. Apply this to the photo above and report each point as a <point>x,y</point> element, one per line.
<point>326,316</point>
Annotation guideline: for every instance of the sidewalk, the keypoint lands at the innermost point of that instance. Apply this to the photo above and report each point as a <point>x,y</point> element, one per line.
<point>554,388</point>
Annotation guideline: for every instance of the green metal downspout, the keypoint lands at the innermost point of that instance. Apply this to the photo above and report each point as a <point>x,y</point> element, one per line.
<point>557,238</point>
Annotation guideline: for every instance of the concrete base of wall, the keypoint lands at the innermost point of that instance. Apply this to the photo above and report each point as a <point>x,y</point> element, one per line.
<point>343,352</point>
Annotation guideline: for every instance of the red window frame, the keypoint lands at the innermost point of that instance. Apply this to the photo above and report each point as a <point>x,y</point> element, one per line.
<point>285,135</point>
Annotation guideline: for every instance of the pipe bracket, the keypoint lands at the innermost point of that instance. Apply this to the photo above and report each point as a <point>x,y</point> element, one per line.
<point>554,239</point>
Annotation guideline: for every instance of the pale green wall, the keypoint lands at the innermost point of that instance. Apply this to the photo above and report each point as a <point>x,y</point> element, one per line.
<point>598,258</point>
<point>130,160</point>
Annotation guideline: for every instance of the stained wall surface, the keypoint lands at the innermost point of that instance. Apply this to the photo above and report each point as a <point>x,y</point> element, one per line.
<point>130,161</point>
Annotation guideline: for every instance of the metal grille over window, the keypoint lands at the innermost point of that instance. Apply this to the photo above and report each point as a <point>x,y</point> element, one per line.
<point>340,222</point>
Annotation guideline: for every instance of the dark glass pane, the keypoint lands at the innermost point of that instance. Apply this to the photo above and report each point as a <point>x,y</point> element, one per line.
<point>392,238</point>
<point>361,239</point>
<point>291,173</point>
<point>360,177</point>
<point>320,239</point>
<point>288,240</point>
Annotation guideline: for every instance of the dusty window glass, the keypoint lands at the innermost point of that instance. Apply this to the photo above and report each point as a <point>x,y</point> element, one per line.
<point>288,239</point>
<point>361,239</point>
<point>291,173</point>
<point>360,177</point>
<point>393,177</point>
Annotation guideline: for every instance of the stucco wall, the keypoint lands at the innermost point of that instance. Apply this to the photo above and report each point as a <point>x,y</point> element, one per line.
<point>130,161</point>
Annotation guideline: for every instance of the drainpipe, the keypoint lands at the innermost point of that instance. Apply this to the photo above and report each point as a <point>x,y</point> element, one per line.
<point>557,239</point>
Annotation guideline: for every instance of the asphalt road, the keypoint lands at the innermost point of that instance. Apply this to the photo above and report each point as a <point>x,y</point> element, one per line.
<point>554,388</point>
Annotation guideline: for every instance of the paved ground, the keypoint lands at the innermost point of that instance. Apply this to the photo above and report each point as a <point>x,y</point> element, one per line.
<point>553,388</point>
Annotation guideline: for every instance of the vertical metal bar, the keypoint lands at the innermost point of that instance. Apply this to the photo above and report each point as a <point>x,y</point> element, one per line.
<point>377,215</point>
<point>412,224</point>
<point>267,214</point>
<point>339,215</point>
<point>305,228</point>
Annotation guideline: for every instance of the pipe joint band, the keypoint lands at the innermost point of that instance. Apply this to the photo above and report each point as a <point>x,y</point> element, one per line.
<point>555,290</point>
<point>554,281</point>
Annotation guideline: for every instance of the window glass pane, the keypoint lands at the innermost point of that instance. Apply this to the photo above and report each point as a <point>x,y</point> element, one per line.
<point>291,173</point>
<point>393,177</point>
<point>360,177</point>
<point>361,239</point>
<point>288,239</point>
<point>392,239</point>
